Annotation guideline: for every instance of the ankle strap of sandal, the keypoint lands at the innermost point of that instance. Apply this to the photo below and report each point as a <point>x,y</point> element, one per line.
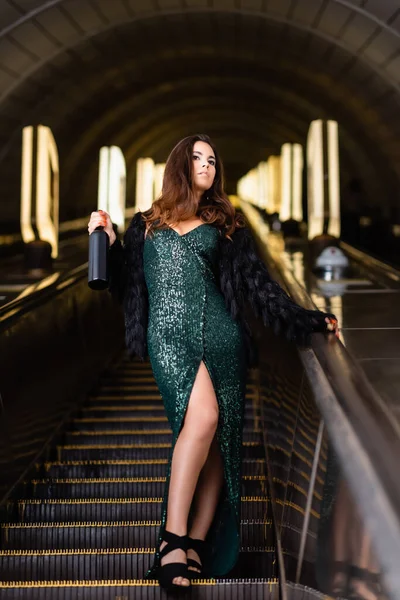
<point>174,542</point>
<point>199,546</point>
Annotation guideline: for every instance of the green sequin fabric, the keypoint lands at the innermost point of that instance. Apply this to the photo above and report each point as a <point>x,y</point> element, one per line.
<point>189,322</point>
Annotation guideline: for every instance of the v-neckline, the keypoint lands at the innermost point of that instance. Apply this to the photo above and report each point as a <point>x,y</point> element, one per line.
<point>190,230</point>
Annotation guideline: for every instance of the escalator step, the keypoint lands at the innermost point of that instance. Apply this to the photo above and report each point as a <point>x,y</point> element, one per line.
<point>94,425</point>
<point>162,436</point>
<point>130,409</point>
<point>89,518</point>
<point>116,424</point>
<point>135,436</point>
<point>114,563</point>
<point>130,385</point>
<point>139,487</point>
<point>100,589</point>
<point>135,451</point>
<point>133,534</point>
<point>120,396</point>
<point>110,509</point>
<point>129,377</point>
<point>156,468</point>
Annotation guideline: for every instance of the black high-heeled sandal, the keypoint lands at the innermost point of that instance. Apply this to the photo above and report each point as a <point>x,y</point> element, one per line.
<point>201,547</point>
<point>166,573</point>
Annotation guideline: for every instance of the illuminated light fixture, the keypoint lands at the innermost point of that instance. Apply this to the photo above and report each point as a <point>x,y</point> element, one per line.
<point>47,186</point>
<point>323,179</point>
<point>144,183</point>
<point>158,179</point>
<point>112,184</point>
<point>291,182</point>
<point>262,198</point>
<point>27,232</point>
<point>274,184</point>
<point>247,187</point>
<point>334,179</point>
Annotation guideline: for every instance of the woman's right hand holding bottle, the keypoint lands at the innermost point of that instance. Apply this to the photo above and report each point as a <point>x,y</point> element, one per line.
<point>102,219</point>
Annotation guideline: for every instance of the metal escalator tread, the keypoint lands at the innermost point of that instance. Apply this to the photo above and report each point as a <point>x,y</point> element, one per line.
<point>112,509</point>
<point>85,523</point>
<point>123,589</point>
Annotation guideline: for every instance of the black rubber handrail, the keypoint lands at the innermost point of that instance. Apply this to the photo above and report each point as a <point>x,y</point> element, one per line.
<point>20,305</point>
<point>388,271</point>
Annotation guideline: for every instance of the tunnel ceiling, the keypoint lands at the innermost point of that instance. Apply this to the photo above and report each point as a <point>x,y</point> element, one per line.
<point>252,74</point>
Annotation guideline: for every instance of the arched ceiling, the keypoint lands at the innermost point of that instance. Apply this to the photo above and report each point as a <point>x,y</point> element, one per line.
<point>250,73</point>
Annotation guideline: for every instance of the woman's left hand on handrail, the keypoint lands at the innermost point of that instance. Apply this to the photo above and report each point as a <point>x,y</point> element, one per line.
<point>332,326</point>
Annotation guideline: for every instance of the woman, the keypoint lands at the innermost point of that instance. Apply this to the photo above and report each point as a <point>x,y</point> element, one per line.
<point>187,268</point>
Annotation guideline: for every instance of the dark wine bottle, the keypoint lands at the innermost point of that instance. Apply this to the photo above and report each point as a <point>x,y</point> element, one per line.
<point>98,259</point>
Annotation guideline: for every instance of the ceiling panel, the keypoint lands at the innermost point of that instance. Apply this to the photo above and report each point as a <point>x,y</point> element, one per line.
<point>357,33</point>
<point>36,41</point>
<point>333,19</point>
<point>307,13</point>
<point>251,4</point>
<point>12,57</point>
<point>60,26</point>
<point>224,4</point>
<point>279,7</point>
<point>197,3</point>
<point>8,14</point>
<point>83,12</point>
<point>395,24</point>
<point>27,5</point>
<point>382,47</point>
<point>393,69</point>
<point>115,10</point>
<point>5,78</point>
<point>142,7</point>
<point>169,4</point>
<point>383,9</point>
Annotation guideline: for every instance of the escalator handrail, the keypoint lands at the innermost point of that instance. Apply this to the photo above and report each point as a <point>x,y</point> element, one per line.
<point>40,292</point>
<point>385,269</point>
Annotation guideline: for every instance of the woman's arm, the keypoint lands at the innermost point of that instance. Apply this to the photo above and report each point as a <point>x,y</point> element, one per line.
<point>267,299</point>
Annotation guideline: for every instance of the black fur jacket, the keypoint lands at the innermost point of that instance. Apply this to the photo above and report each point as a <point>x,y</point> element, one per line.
<point>243,279</point>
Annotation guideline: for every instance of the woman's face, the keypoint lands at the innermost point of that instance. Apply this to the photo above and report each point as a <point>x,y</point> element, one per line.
<point>204,163</point>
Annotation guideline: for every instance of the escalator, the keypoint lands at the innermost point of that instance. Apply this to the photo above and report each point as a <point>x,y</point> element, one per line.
<point>84,448</point>
<point>87,520</point>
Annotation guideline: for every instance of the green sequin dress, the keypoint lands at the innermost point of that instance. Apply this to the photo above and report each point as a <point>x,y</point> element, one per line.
<point>189,322</point>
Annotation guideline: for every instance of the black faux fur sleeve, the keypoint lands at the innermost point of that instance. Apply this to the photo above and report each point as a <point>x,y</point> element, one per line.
<point>245,278</point>
<point>127,284</point>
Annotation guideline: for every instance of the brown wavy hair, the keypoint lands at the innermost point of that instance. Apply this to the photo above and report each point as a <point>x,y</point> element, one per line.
<point>177,201</point>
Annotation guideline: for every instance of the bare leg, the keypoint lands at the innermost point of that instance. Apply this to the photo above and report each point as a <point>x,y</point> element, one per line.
<point>190,454</point>
<point>206,497</point>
